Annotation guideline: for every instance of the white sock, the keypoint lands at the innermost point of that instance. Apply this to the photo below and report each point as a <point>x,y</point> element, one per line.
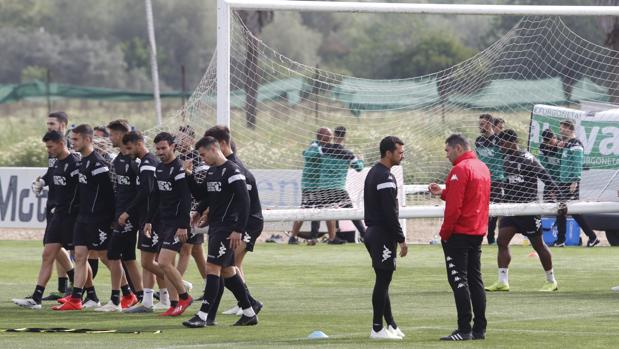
<point>164,296</point>
<point>503,275</point>
<point>249,312</point>
<point>147,299</point>
<point>550,276</point>
<point>202,315</point>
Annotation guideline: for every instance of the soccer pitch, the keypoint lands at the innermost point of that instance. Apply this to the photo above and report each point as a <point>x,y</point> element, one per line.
<point>328,288</point>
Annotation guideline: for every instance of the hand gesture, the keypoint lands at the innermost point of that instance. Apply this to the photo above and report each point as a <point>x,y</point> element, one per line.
<point>148,228</point>
<point>435,189</point>
<point>122,219</point>
<point>235,240</point>
<point>403,249</point>
<point>181,234</point>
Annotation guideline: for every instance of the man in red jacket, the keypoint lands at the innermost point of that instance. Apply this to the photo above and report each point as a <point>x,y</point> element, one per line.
<point>467,199</point>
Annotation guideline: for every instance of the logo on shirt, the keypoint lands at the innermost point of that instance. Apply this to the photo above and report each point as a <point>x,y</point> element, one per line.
<point>164,186</point>
<point>123,180</point>
<point>60,180</point>
<point>83,179</point>
<point>213,186</point>
<point>515,179</point>
<point>454,177</point>
<point>386,253</point>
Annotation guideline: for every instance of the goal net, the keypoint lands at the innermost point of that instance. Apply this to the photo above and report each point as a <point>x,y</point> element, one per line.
<point>278,105</point>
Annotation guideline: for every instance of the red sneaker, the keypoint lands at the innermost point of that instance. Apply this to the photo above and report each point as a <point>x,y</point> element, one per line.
<point>71,304</point>
<point>168,312</point>
<point>128,301</point>
<point>64,299</point>
<point>182,306</point>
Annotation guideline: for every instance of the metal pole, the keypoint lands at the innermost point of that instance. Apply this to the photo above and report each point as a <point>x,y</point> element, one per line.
<point>183,83</point>
<point>223,63</point>
<point>153,59</point>
<point>48,78</point>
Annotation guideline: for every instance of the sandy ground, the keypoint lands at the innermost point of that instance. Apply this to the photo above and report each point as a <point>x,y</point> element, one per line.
<point>419,231</point>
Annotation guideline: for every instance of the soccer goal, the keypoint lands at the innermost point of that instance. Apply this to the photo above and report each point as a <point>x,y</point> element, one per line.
<point>274,106</point>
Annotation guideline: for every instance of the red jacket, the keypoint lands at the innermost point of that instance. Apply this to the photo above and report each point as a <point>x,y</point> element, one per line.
<point>467,197</point>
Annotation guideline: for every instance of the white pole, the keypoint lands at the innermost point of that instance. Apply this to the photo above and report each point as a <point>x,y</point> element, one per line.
<point>153,59</point>
<point>223,63</point>
<point>339,6</point>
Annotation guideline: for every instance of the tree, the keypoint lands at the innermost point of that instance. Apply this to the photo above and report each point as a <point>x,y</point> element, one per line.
<point>610,25</point>
<point>255,21</point>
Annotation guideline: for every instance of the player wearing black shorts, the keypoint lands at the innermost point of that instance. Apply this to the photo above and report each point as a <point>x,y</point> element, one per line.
<point>136,212</point>
<point>172,201</point>
<point>185,140</point>
<point>522,170</point>
<point>384,233</point>
<point>93,225</point>
<point>62,182</point>
<point>225,192</point>
<point>123,238</point>
<point>255,221</point>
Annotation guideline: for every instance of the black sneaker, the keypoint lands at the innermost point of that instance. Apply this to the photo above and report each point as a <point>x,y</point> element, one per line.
<point>479,335</point>
<point>558,244</point>
<point>458,336</point>
<point>53,296</point>
<point>257,306</point>
<point>593,242</point>
<point>293,240</point>
<point>336,241</point>
<point>195,322</point>
<point>156,295</point>
<point>247,321</point>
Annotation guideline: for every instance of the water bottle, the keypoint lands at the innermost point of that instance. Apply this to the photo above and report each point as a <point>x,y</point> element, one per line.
<point>435,240</point>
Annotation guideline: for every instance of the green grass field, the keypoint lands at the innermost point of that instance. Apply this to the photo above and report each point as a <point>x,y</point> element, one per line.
<point>328,288</point>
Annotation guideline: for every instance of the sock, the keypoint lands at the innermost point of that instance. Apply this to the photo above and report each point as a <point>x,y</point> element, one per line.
<point>126,290</point>
<point>115,297</point>
<point>388,314</point>
<point>379,297</point>
<point>38,294</point>
<point>503,275</point>
<point>62,284</point>
<point>212,312</point>
<point>77,293</point>
<point>252,300</point>
<point>202,315</point>
<point>70,274</point>
<point>140,295</point>
<point>147,300</point>
<point>211,290</point>
<point>183,296</point>
<point>235,285</point>
<point>550,276</point>
<point>173,304</point>
<point>164,296</point>
<point>94,265</point>
<point>91,294</point>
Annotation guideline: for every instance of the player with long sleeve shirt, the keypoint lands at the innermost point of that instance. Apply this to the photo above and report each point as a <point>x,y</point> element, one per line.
<point>570,173</point>
<point>225,191</point>
<point>96,212</point>
<point>171,199</point>
<point>467,200</point>
<point>384,233</point>
<point>63,209</point>
<point>522,171</point>
<point>136,211</point>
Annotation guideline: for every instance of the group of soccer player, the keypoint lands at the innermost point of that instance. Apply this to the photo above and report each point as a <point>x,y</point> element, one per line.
<point>100,205</point>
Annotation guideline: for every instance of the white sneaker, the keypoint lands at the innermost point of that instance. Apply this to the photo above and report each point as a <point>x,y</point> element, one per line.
<point>109,307</point>
<point>616,289</point>
<point>90,304</point>
<point>384,334</point>
<point>138,308</point>
<point>396,331</point>
<point>27,303</point>
<point>161,306</point>
<point>188,285</point>
<point>235,310</point>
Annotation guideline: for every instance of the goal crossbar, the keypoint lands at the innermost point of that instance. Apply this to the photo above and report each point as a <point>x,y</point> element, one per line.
<point>435,211</point>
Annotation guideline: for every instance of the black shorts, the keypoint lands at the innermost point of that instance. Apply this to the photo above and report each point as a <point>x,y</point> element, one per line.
<point>310,199</point>
<point>382,248</point>
<point>254,230</point>
<point>194,237</point>
<point>496,192</point>
<point>95,235</point>
<point>526,225</point>
<point>150,244</point>
<point>335,198</point>
<point>122,243</point>
<point>565,194</point>
<point>219,251</point>
<point>59,229</point>
<point>169,241</point>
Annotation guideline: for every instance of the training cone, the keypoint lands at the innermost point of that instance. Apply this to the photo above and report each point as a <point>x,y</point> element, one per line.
<point>317,335</point>
<point>533,254</point>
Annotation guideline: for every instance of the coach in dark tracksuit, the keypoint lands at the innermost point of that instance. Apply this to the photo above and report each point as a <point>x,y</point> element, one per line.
<point>467,200</point>
<point>384,233</point>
